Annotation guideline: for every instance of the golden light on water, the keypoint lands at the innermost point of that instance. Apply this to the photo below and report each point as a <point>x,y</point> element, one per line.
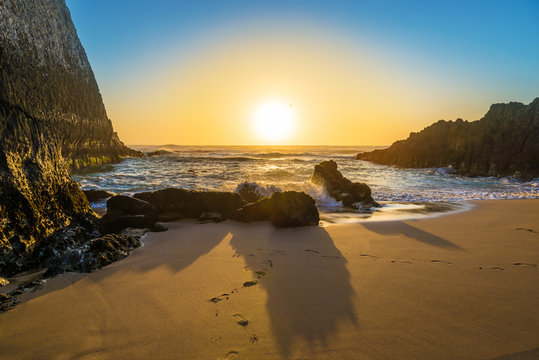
<point>274,121</point>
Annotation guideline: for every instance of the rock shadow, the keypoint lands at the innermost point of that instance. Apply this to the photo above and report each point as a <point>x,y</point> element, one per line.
<point>531,354</point>
<point>401,228</point>
<point>308,287</point>
<point>158,251</point>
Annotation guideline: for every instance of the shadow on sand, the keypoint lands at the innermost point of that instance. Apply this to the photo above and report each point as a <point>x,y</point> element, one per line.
<point>308,287</point>
<point>158,251</point>
<point>401,228</point>
<point>308,294</point>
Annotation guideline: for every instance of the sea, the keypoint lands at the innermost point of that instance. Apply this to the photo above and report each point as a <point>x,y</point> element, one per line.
<point>402,193</point>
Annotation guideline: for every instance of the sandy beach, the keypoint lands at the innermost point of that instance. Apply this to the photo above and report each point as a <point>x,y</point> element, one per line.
<point>460,286</point>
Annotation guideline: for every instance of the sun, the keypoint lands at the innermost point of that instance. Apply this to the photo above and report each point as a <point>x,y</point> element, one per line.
<point>274,121</point>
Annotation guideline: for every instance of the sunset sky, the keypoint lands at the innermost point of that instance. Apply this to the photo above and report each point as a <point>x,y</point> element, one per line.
<point>348,72</point>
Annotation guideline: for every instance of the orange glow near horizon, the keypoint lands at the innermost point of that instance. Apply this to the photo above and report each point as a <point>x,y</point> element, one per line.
<point>342,94</point>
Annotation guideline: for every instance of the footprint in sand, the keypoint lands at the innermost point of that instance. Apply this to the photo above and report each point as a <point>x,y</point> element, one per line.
<point>442,262</point>
<point>259,273</point>
<point>269,262</point>
<point>250,283</point>
<point>221,297</point>
<point>525,264</point>
<point>310,250</point>
<point>491,268</point>
<point>253,339</point>
<point>528,230</point>
<point>401,262</point>
<point>240,320</point>
<point>232,354</point>
<point>371,256</point>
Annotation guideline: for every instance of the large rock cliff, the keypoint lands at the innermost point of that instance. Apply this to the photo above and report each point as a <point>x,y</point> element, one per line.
<point>52,118</point>
<point>504,142</point>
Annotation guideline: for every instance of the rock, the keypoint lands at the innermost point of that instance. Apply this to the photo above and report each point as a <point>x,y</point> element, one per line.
<point>159,227</point>
<point>210,217</point>
<point>118,224</point>
<point>106,250</point>
<point>158,153</point>
<point>504,141</point>
<point>52,118</point>
<point>128,212</point>
<point>283,209</point>
<point>71,249</point>
<point>121,205</point>
<point>173,203</point>
<point>7,302</point>
<point>3,282</point>
<point>355,195</point>
<point>94,194</point>
<point>252,192</point>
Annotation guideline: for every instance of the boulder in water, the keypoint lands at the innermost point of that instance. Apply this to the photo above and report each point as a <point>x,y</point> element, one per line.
<point>174,203</point>
<point>94,194</point>
<point>355,195</point>
<point>158,153</point>
<point>283,209</point>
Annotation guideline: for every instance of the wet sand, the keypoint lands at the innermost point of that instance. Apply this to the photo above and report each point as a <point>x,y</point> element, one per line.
<point>460,286</point>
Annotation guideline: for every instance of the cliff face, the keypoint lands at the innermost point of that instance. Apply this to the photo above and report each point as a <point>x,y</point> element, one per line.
<point>44,72</point>
<point>504,141</point>
<point>52,117</point>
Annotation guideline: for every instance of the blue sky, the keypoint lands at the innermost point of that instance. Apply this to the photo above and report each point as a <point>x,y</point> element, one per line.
<point>491,47</point>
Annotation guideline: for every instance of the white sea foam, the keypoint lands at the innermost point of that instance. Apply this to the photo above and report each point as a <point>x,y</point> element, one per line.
<point>262,190</point>
<point>291,168</point>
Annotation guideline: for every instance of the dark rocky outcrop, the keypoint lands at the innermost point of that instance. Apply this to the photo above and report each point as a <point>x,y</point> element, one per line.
<point>173,204</point>
<point>121,205</point>
<point>283,209</point>
<point>124,212</point>
<point>52,118</point>
<point>505,141</point>
<point>289,208</point>
<point>95,195</point>
<point>355,195</point>
<point>65,252</point>
<point>158,153</point>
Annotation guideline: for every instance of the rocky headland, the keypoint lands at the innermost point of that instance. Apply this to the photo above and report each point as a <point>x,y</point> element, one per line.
<point>52,119</point>
<point>505,142</point>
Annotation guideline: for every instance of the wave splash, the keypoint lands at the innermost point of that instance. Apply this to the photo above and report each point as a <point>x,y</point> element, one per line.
<point>291,168</point>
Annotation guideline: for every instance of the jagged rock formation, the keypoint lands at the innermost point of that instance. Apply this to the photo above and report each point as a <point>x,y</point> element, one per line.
<point>354,195</point>
<point>52,118</point>
<point>289,208</point>
<point>174,203</point>
<point>504,142</point>
<point>282,209</point>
